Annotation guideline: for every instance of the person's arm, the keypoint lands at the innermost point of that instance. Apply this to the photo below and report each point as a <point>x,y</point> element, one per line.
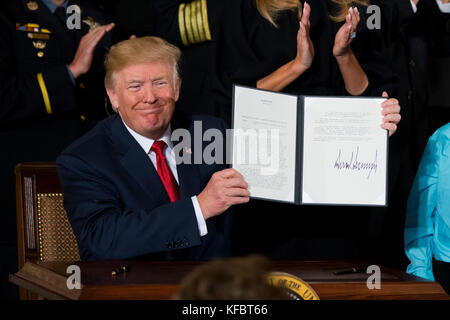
<point>225,188</point>
<point>108,228</point>
<point>419,225</point>
<point>183,23</point>
<point>111,229</point>
<point>372,54</point>
<point>355,79</point>
<point>286,74</point>
<point>84,56</point>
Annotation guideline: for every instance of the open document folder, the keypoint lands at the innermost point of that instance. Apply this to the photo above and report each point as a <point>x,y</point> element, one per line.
<point>310,150</point>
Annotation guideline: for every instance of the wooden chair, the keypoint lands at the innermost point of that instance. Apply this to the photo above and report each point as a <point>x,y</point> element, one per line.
<point>44,232</point>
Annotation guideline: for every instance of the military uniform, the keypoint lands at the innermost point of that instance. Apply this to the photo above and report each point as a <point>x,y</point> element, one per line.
<point>42,107</point>
<point>174,21</point>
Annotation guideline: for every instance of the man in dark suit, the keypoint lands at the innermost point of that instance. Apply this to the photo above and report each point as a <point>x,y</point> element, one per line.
<point>125,191</point>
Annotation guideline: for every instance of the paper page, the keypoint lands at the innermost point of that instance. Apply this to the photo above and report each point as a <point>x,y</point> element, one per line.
<point>344,153</point>
<point>264,142</point>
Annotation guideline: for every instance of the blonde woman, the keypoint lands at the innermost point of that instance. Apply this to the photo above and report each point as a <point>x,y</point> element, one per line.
<point>355,79</point>
<point>321,47</point>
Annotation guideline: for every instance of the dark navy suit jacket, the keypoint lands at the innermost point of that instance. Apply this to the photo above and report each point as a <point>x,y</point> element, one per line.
<point>117,204</point>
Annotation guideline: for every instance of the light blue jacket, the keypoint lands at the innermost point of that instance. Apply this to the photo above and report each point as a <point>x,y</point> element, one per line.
<point>427,226</point>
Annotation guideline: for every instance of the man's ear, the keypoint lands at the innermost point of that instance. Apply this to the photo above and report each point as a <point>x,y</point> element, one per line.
<point>113,98</point>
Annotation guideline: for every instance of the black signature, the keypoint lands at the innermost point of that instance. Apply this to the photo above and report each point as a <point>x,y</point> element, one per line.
<point>355,164</point>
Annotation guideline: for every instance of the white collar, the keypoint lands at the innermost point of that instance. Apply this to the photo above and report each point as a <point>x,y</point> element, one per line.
<point>444,7</point>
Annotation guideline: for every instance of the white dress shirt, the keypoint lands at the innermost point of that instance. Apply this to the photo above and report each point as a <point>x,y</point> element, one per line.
<point>444,7</point>
<point>146,144</point>
<point>413,5</point>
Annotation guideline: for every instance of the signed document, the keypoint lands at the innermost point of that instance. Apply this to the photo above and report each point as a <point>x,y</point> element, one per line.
<point>310,150</point>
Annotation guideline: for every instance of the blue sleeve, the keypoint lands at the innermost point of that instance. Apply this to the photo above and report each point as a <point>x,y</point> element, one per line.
<point>71,75</point>
<point>421,209</point>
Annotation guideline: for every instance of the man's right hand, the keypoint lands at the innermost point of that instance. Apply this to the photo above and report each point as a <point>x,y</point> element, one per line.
<point>224,189</point>
<point>85,52</point>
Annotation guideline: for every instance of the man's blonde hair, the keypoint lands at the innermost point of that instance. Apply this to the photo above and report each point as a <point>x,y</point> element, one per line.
<point>140,50</point>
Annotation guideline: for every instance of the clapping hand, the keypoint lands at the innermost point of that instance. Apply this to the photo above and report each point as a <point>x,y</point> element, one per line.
<point>305,47</point>
<point>346,33</point>
<point>82,62</point>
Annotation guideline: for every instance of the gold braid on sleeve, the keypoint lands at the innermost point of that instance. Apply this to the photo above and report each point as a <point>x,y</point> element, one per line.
<point>193,22</point>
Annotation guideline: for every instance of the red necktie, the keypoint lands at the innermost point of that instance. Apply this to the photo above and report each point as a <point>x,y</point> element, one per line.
<point>164,172</point>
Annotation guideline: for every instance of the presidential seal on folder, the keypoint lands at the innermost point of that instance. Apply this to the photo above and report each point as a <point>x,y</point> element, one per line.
<point>296,288</point>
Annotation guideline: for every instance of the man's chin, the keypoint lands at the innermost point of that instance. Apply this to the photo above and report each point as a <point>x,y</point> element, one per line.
<point>154,130</point>
<point>150,125</point>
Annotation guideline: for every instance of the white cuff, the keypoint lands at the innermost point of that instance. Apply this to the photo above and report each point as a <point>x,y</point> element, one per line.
<point>444,7</point>
<point>414,7</point>
<point>200,220</point>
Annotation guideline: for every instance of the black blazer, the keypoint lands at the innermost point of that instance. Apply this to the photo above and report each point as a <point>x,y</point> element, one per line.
<point>117,204</point>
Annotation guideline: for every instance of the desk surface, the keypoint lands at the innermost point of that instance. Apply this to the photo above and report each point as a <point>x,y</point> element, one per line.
<point>160,280</point>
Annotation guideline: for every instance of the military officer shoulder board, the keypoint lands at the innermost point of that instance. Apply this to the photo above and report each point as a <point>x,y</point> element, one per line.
<point>193,22</point>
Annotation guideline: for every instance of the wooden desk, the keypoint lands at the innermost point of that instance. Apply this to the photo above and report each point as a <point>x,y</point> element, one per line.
<point>160,280</point>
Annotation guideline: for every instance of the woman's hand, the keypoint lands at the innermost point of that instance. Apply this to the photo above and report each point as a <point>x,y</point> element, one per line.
<point>290,71</point>
<point>305,47</point>
<point>391,114</point>
<point>346,33</point>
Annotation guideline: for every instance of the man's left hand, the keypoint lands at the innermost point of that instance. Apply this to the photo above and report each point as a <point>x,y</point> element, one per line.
<point>391,114</point>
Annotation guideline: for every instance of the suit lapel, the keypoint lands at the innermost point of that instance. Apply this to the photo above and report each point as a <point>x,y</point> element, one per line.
<point>137,163</point>
<point>188,174</point>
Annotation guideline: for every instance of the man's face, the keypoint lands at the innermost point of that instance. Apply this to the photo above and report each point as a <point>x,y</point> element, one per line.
<point>144,95</point>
